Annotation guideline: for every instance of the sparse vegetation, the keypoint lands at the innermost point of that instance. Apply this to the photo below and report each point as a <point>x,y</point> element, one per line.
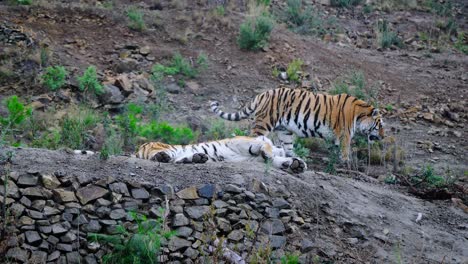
<point>345,3</point>
<point>441,8</point>
<point>354,84</point>
<point>17,113</point>
<point>461,43</point>
<point>219,10</point>
<point>294,68</point>
<point>142,246</point>
<point>24,2</point>
<point>300,148</point>
<point>180,65</point>
<point>163,131</point>
<point>75,128</point>
<point>307,21</point>
<point>333,157</point>
<point>429,177</point>
<point>290,259</point>
<point>89,83</point>
<point>54,77</point>
<point>255,32</point>
<point>136,19</point>
<point>385,36</point>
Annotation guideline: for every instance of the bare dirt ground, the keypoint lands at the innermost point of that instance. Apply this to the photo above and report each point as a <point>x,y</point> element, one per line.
<point>423,88</point>
<point>354,221</point>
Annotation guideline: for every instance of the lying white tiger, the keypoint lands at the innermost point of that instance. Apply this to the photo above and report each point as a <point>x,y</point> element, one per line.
<point>235,149</point>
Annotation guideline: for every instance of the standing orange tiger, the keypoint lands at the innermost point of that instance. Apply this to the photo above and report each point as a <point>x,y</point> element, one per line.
<point>306,114</point>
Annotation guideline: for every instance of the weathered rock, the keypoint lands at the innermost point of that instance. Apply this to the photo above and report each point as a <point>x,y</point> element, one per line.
<point>281,203</point>
<point>80,220</point>
<point>118,187</point>
<point>73,258</point>
<point>180,220</point>
<point>145,50</point>
<point>273,227</point>
<point>65,247</point>
<point>177,243</point>
<point>68,237</point>
<point>38,257</point>
<point>306,245</point>
<point>220,204</point>
<point>36,192</point>
<point>18,254</point>
<point>223,224</point>
<point>53,256</point>
<point>58,229</point>
<point>184,231</point>
<point>207,191</point>
<point>191,253</point>
<point>188,193</point>
<point>90,259</point>
<point>118,214</point>
<point>277,241</point>
<point>53,240</point>
<point>32,237</point>
<point>35,214</point>
<point>103,211</point>
<point>111,95</point>
<point>48,211</point>
<point>27,180</point>
<point>93,226</point>
<point>50,181</point>
<point>90,193</point>
<point>25,220</point>
<point>104,202</point>
<point>233,189</point>
<point>236,235</point>
<point>16,210</point>
<point>197,212</point>
<point>173,88</point>
<point>64,196</point>
<point>140,193</point>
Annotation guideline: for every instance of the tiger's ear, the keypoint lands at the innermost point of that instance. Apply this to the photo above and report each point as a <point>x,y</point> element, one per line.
<point>375,112</point>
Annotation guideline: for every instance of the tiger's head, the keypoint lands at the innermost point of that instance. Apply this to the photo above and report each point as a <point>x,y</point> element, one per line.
<point>372,125</point>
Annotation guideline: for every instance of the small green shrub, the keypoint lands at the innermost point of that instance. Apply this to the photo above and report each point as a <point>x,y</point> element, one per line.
<point>180,65</point>
<point>354,84</point>
<point>108,4</point>
<point>89,83</point>
<point>128,123</point>
<point>48,139</point>
<point>300,148</point>
<point>24,2</point>
<point>44,56</point>
<point>306,21</point>
<point>345,3</point>
<point>75,128</point>
<point>333,157</point>
<point>367,9</point>
<point>264,2</point>
<point>441,8</point>
<point>17,114</point>
<point>220,11</point>
<point>255,32</point>
<point>136,19</point>
<point>163,131</point>
<point>143,246</point>
<point>389,107</point>
<point>54,77</point>
<point>461,43</point>
<point>293,70</point>
<point>385,36</point>
<point>113,144</point>
<point>428,176</point>
<point>219,130</point>
<point>290,259</point>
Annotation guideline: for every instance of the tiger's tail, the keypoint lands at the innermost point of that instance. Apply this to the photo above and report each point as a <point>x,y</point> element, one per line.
<point>242,114</point>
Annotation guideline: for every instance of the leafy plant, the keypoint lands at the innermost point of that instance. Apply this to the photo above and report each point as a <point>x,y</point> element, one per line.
<point>143,246</point>
<point>128,123</point>
<point>306,21</point>
<point>54,77</point>
<point>345,3</point>
<point>166,133</point>
<point>293,70</point>
<point>113,144</point>
<point>89,82</point>
<point>441,8</point>
<point>367,9</point>
<point>385,36</point>
<point>220,11</point>
<point>300,148</point>
<point>354,84</point>
<point>75,128</point>
<point>24,2</point>
<point>180,65</point>
<point>17,114</point>
<point>290,259</point>
<point>461,43</point>
<point>389,107</point>
<point>255,32</point>
<point>264,2</point>
<point>428,175</point>
<point>136,19</point>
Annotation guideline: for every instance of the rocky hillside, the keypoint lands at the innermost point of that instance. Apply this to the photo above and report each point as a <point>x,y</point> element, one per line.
<point>60,198</point>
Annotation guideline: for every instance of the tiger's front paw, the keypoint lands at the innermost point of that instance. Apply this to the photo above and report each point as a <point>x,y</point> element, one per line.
<point>162,157</point>
<point>296,165</point>
<point>199,158</point>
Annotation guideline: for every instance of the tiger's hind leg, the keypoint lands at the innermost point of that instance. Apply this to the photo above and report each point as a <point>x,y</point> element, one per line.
<point>162,157</point>
<point>286,139</point>
<point>193,158</point>
<point>294,165</point>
